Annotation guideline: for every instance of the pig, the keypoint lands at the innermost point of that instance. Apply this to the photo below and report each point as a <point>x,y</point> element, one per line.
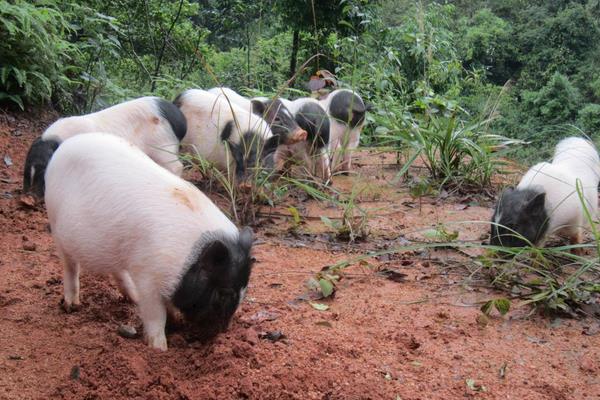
<point>223,133</point>
<point>311,116</point>
<point>113,210</point>
<point>153,124</point>
<point>273,111</point>
<point>347,112</point>
<point>546,202</point>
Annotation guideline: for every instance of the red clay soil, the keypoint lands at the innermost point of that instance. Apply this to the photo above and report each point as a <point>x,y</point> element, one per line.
<point>379,339</point>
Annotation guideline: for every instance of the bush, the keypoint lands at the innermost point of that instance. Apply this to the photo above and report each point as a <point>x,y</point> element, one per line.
<point>556,103</point>
<point>589,119</point>
<point>36,59</point>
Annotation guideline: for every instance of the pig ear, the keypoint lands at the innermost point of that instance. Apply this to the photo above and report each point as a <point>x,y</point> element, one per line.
<point>214,255</point>
<point>537,203</point>
<point>258,107</point>
<point>246,238</point>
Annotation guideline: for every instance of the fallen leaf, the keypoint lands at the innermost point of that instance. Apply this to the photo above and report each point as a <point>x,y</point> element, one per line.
<point>273,336</point>
<point>319,306</point>
<point>75,372</point>
<point>263,315</point>
<point>409,204</point>
<point>327,287</point>
<point>482,320</point>
<point>392,275</point>
<point>27,201</point>
<point>476,387</point>
<point>502,371</point>
<point>536,340</point>
<point>591,330</point>
<point>310,295</point>
<point>8,160</point>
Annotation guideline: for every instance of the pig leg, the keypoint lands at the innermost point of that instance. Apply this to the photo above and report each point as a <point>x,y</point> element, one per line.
<point>576,237</point>
<point>154,317</point>
<point>70,284</point>
<point>352,144</point>
<point>322,166</point>
<point>127,287</point>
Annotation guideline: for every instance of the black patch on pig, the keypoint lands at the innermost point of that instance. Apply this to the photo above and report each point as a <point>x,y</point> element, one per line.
<point>252,151</point>
<point>276,114</point>
<point>209,291</point>
<point>522,211</point>
<point>314,120</point>
<point>174,116</point>
<point>227,131</point>
<point>348,108</point>
<point>38,157</point>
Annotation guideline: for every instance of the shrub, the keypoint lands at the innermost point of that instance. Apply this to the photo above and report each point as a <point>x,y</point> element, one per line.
<point>589,119</point>
<point>36,59</point>
<point>556,103</point>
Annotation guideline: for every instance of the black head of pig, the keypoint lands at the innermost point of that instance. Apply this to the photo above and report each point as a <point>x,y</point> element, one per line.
<point>216,281</point>
<point>251,152</point>
<point>280,119</point>
<point>37,160</point>
<point>522,211</point>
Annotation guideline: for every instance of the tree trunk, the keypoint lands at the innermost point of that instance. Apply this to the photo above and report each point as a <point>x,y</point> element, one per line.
<point>247,56</point>
<point>294,57</point>
<point>162,49</point>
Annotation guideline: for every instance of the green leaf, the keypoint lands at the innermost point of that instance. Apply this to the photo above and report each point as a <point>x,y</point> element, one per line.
<point>328,222</point>
<point>326,287</point>
<point>295,215</point>
<point>319,306</point>
<point>502,305</point>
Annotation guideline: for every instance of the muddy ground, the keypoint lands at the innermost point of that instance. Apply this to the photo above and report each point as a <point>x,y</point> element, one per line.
<point>420,338</point>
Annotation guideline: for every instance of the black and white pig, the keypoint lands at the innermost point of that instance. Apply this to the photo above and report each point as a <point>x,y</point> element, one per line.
<point>113,210</point>
<point>347,113</point>
<point>273,111</point>
<point>546,201</point>
<point>313,152</point>
<point>154,125</point>
<point>225,134</point>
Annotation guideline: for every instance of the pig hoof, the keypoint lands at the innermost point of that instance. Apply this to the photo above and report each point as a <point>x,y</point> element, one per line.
<point>578,252</point>
<point>245,187</point>
<point>69,307</point>
<point>158,343</point>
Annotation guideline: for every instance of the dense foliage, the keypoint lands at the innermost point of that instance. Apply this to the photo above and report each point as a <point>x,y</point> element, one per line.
<point>521,69</point>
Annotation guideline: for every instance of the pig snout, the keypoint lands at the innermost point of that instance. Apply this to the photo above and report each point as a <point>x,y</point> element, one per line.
<point>299,135</point>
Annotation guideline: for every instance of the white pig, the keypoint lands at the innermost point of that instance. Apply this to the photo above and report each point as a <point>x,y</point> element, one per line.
<point>113,210</point>
<point>546,201</point>
<point>154,125</point>
<point>347,112</point>
<point>273,111</point>
<point>228,136</point>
